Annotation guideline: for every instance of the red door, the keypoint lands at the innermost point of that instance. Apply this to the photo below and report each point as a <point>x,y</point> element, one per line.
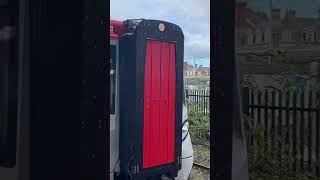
<point>159,104</point>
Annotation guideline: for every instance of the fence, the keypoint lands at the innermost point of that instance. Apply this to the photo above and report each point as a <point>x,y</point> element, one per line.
<point>198,100</point>
<point>291,117</point>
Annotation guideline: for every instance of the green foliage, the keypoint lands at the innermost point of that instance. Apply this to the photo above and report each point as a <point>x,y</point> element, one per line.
<point>249,81</point>
<point>199,124</point>
<point>275,165</point>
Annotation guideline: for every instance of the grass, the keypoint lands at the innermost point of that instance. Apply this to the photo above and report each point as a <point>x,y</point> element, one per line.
<point>201,156</point>
<point>199,124</point>
<point>262,165</point>
<point>267,165</point>
<point>197,174</point>
<point>198,128</point>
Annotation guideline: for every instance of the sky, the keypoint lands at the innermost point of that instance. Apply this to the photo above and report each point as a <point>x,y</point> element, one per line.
<point>193,16</point>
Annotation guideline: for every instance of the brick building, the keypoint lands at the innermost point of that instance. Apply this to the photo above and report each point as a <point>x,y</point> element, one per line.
<point>257,34</point>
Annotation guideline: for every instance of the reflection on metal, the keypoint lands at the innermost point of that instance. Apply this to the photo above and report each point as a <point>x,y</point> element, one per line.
<point>239,155</point>
<point>3,3</point>
<point>6,33</point>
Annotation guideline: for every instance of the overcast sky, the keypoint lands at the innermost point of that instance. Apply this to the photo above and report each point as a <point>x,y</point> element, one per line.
<point>193,16</point>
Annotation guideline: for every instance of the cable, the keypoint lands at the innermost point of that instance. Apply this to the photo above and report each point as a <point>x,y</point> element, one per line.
<point>187,157</point>
<point>131,158</point>
<point>184,122</point>
<point>185,137</point>
<point>129,173</point>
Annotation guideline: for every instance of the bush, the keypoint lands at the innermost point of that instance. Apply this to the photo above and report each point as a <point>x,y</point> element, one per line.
<point>275,165</point>
<point>199,124</point>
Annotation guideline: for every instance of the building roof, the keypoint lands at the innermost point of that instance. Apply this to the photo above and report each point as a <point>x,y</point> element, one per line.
<point>247,18</point>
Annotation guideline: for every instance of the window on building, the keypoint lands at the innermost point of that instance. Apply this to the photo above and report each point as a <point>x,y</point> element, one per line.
<point>276,38</point>
<point>254,39</point>
<point>242,41</point>
<point>304,36</point>
<point>309,37</point>
<point>286,36</point>
<point>292,36</point>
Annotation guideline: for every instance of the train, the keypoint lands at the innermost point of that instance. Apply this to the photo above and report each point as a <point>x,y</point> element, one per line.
<point>147,91</point>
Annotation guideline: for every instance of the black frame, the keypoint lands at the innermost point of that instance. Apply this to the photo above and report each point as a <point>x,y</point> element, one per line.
<point>133,47</point>
<point>9,85</point>
<point>68,89</point>
<point>113,61</point>
<point>62,47</point>
<point>222,87</point>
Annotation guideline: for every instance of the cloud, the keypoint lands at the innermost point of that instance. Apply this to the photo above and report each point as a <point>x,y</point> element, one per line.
<point>196,45</point>
<point>193,16</point>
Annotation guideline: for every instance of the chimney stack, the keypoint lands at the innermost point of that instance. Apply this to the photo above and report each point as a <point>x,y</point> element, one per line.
<point>290,13</point>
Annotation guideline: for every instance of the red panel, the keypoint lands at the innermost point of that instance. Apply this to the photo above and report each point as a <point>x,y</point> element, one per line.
<point>147,110</point>
<point>164,102</point>
<point>159,104</point>
<point>155,101</point>
<point>172,102</point>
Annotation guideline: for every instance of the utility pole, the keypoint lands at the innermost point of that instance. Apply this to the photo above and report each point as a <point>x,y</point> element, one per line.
<point>194,66</point>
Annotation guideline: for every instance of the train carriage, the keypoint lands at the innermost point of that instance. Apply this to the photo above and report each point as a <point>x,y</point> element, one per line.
<point>148,128</point>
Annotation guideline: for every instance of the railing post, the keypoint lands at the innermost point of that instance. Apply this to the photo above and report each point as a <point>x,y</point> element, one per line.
<point>245,100</point>
<point>187,94</point>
